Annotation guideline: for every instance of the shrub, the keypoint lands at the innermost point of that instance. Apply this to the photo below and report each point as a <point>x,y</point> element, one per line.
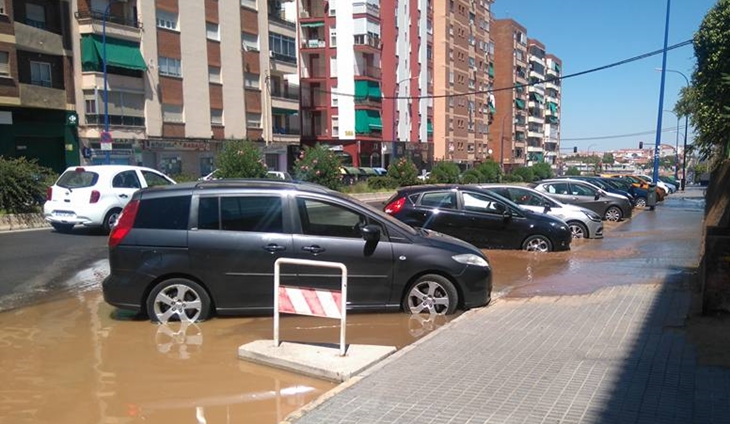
<point>572,171</point>
<point>240,159</point>
<point>182,178</point>
<point>24,184</point>
<point>490,170</point>
<point>319,165</point>
<point>444,172</point>
<point>472,176</point>
<point>542,171</point>
<point>404,172</point>
<point>513,178</point>
<point>382,183</point>
<point>525,174</point>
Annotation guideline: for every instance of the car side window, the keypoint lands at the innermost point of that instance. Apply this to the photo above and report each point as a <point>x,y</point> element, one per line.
<point>474,202</point>
<point>581,190</point>
<point>524,197</point>
<point>328,220</point>
<point>154,179</point>
<point>165,213</point>
<point>246,213</point>
<point>557,188</point>
<point>126,179</point>
<point>439,199</point>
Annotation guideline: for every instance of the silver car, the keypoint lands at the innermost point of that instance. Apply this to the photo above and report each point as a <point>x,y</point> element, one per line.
<point>612,207</point>
<point>583,223</point>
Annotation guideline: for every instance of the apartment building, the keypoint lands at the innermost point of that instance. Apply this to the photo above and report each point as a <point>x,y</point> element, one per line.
<point>37,118</point>
<point>362,95</point>
<point>463,78</point>
<point>182,77</point>
<point>553,84</point>
<point>535,103</point>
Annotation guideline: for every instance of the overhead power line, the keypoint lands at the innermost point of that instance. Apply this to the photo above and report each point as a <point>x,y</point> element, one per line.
<point>607,137</point>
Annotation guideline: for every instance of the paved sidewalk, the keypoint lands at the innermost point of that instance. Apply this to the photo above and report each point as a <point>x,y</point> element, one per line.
<point>617,355</point>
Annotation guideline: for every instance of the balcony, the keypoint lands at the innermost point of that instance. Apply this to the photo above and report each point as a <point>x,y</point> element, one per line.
<point>95,80</point>
<point>368,71</point>
<point>278,19</point>
<point>366,8</point>
<point>368,41</point>
<point>283,64</point>
<point>314,9</point>
<point>286,135</point>
<point>92,22</point>
<point>535,119</point>
<point>42,97</point>
<point>314,72</point>
<point>286,102</point>
<point>37,40</point>
<point>313,44</point>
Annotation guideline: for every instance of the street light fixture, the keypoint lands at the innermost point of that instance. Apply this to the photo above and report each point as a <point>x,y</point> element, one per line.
<point>395,135</point>
<point>686,125</point>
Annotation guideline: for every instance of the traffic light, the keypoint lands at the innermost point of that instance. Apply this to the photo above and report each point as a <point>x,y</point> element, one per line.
<point>641,145</point>
<point>575,149</point>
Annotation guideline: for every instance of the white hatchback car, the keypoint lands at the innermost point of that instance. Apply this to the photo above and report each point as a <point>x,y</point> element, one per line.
<point>94,196</point>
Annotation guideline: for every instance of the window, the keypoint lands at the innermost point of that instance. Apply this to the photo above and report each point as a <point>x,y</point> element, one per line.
<point>282,45</point>
<point>35,15</point>
<point>126,179</point>
<point>333,66</point>
<point>2,8</point>
<point>40,73</point>
<point>166,213</point>
<point>335,97</point>
<point>154,179</point>
<point>125,108</point>
<point>170,67</point>
<point>335,126</point>
<point>250,42</point>
<point>212,31</point>
<point>214,74</point>
<point>253,120</point>
<point>524,197</point>
<point>251,4</point>
<point>581,190</point>
<point>254,213</point>
<point>251,80</point>
<point>172,113</point>
<point>557,188</point>
<point>328,220</point>
<point>439,199</point>
<point>167,20</point>
<point>216,116</point>
<point>90,106</point>
<point>4,61</point>
<point>333,37</point>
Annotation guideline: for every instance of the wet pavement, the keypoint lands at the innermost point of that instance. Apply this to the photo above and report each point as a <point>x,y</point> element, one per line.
<point>77,359</point>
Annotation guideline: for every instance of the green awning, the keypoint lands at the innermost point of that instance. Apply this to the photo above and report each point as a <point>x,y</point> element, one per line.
<point>367,120</point>
<point>119,53</point>
<point>492,108</point>
<point>362,90</point>
<point>536,156</point>
<point>374,90</point>
<point>280,111</point>
<point>429,127</point>
<point>552,119</point>
<point>537,96</point>
<point>553,107</point>
<point>519,88</point>
<point>556,66</point>
<point>376,123</point>
<point>491,69</point>
<point>520,103</point>
<point>312,24</point>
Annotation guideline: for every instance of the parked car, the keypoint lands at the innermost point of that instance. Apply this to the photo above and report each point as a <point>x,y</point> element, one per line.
<point>583,223</point>
<point>479,217</point>
<point>276,175</point>
<point>185,251</point>
<point>603,185</point>
<point>611,207</point>
<point>640,183</point>
<point>671,183</point>
<point>640,195</point>
<point>94,196</point>
<point>659,183</point>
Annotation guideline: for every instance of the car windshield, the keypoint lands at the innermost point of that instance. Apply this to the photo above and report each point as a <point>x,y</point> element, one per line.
<point>77,178</point>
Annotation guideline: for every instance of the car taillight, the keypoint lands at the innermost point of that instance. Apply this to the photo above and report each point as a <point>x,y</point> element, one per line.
<point>49,193</point>
<point>124,224</point>
<point>395,206</point>
<point>94,196</point>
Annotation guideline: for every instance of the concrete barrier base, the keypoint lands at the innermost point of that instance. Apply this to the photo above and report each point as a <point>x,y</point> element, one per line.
<point>319,361</point>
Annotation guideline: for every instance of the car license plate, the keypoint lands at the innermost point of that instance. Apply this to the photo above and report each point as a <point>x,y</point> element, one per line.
<point>65,214</point>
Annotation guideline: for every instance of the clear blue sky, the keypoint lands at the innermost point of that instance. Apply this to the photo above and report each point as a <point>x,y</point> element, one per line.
<point>587,34</point>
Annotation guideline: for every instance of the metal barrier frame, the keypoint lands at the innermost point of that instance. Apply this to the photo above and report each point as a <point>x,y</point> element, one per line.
<point>322,264</point>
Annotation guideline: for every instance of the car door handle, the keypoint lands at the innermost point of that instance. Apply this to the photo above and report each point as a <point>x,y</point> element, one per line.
<point>313,249</point>
<point>123,196</point>
<point>274,247</point>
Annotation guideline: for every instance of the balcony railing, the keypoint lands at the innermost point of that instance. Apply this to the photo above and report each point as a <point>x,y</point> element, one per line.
<point>368,8</point>
<point>313,44</point>
<point>118,120</point>
<point>99,16</point>
<point>276,17</point>
<point>284,58</point>
<point>368,71</point>
<point>285,95</point>
<point>286,131</point>
<point>367,40</point>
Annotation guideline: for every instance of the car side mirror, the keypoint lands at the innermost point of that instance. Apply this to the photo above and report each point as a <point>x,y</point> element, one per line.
<point>370,232</point>
<point>548,208</point>
<point>598,195</point>
<point>507,215</point>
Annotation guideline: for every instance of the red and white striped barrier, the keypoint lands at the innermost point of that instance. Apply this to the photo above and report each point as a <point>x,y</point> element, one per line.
<point>312,302</point>
<point>308,301</point>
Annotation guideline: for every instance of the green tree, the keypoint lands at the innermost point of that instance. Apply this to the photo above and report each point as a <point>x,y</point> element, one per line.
<point>319,165</point>
<point>490,170</point>
<point>542,171</point>
<point>608,158</point>
<point>403,171</point>
<point>240,159</point>
<point>472,176</point>
<point>572,171</point>
<point>526,174</point>
<point>23,183</point>
<point>707,97</point>
<point>444,172</point>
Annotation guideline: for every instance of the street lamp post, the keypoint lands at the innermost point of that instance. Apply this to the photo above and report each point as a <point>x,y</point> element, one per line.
<point>395,135</point>
<point>686,125</point>
<point>655,176</point>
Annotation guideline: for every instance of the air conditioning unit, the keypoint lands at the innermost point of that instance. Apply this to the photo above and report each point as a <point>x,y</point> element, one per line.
<point>271,53</point>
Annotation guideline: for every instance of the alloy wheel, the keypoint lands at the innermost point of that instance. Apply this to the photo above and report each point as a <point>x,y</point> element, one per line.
<point>537,244</point>
<point>177,302</point>
<point>613,214</point>
<point>428,297</point>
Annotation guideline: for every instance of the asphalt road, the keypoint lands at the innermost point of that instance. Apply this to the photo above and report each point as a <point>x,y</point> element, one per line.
<point>35,264</point>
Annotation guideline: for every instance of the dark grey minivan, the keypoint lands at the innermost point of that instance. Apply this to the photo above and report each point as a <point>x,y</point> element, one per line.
<point>185,251</point>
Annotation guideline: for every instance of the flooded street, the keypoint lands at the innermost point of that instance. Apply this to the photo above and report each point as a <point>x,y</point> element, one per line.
<point>78,360</point>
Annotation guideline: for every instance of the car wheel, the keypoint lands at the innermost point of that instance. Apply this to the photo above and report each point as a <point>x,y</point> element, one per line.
<point>110,220</point>
<point>431,293</point>
<point>537,243</point>
<point>640,202</point>
<point>578,229</point>
<point>62,228</point>
<point>613,214</point>
<point>178,299</point>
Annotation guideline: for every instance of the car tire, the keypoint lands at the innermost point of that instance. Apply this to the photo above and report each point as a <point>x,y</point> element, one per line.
<point>110,219</point>
<point>537,243</point>
<point>613,214</point>
<point>578,229</point>
<point>178,299</point>
<point>62,228</point>
<point>431,293</point>
<point>640,202</point>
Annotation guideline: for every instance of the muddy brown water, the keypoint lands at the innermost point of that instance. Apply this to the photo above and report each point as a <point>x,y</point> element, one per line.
<point>78,360</point>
